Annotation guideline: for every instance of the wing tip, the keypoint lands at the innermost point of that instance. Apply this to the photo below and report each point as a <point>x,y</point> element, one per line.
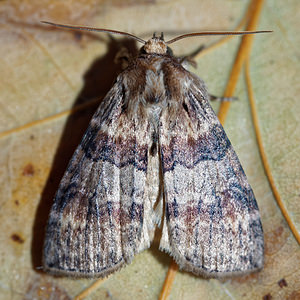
<point>60,272</point>
<point>187,266</point>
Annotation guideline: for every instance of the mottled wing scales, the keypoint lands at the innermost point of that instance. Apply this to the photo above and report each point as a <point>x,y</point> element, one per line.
<point>212,225</point>
<point>155,124</point>
<point>102,213</point>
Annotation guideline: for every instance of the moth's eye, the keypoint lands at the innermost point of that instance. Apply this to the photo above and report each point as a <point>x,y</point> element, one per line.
<point>143,51</point>
<point>169,51</point>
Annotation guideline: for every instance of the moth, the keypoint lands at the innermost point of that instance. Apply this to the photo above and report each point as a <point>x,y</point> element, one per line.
<point>154,154</point>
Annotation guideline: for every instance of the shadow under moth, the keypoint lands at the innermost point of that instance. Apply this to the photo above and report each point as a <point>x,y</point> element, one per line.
<point>154,154</point>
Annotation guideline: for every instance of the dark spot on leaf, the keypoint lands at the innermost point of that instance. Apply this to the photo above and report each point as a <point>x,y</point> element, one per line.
<point>16,238</point>
<point>28,170</point>
<point>282,283</point>
<point>267,297</point>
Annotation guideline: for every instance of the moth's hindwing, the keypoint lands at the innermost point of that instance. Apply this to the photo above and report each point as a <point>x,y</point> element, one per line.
<point>102,213</point>
<point>212,224</point>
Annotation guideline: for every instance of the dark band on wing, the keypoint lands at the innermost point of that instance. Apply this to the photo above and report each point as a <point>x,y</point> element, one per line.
<point>188,152</point>
<point>118,151</point>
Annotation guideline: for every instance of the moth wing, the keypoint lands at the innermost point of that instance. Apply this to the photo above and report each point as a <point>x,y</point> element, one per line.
<point>212,224</point>
<point>102,213</point>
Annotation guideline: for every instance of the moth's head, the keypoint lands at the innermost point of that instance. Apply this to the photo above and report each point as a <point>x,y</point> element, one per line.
<point>156,45</point>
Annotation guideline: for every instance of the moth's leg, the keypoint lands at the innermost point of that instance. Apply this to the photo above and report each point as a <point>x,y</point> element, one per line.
<point>189,59</point>
<point>123,58</point>
<point>221,99</point>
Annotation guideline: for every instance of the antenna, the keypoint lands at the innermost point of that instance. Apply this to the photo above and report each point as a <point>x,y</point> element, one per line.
<point>202,33</point>
<point>96,30</point>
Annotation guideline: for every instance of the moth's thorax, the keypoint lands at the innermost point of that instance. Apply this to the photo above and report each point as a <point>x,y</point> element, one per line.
<point>155,45</point>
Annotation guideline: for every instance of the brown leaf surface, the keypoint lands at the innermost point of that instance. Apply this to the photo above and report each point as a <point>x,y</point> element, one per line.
<point>46,71</point>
